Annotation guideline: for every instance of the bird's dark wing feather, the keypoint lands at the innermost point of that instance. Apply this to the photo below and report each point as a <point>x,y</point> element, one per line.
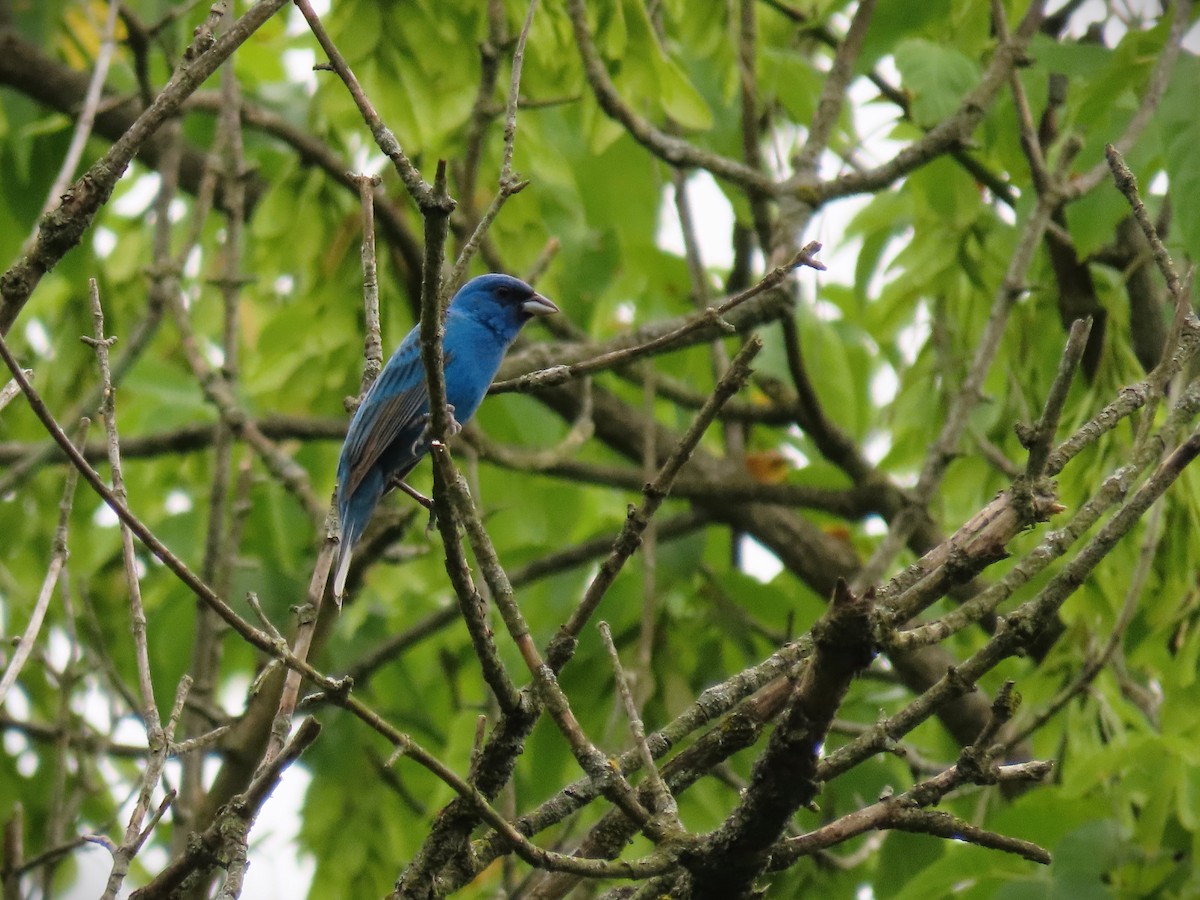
<point>395,404</point>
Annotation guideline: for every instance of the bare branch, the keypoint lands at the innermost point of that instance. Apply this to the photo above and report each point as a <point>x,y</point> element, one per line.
<point>58,559</point>
<point>669,148</point>
<point>64,228</point>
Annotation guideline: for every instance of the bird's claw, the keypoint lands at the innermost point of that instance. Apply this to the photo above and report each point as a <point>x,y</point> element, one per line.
<point>425,438</point>
<point>412,492</point>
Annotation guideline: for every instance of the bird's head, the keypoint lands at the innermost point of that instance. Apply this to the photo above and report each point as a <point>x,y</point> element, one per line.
<point>503,302</point>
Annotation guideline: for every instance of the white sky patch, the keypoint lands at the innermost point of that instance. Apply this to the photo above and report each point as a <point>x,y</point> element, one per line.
<point>177,210</point>
<point>826,311</point>
<point>155,857</point>
<point>875,526</point>
<point>712,216</point>
<point>27,760</point>
<point>1094,11</point>
<point>794,454</point>
<point>912,337</point>
<point>884,385</point>
<point>625,313</point>
<point>873,120</point>
<point>891,252</point>
<point>130,731</point>
<point>178,502</point>
<point>780,144</point>
<point>830,165</point>
<point>38,339</point>
<point>876,447</point>
<point>104,517</point>
<point>369,161</point>
<point>839,253</point>
<point>58,649</point>
<point>17,706</point>
<point>16,745</point>
<point>277,871</point>
<point>136,201</point>
<point>232,694</point>
<point>1159,184</point>
<point>298,63</point>
<point>284,285</point>
<point>93,705</point>
<point>757,561</point>
<point>191,268</point>
<point>275,867</point>
<point>213,353</point>
<point>104,242</point>
<point>295,21</point>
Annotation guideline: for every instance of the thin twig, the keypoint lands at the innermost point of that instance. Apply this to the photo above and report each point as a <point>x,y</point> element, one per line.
<point>372,341</point>
<point>902,812</point>
<point>1034,151</point>
<point>671,149</point>
<point>11,389</point>
<point>135,835</point>
<point>644,673</point>
<point>219,392</point>
<point>664,803</point>
<point>514,93</point>
<point>1013,634</point>
<point>943,449</point>
<point>455,505</point>
<point>1039,437</point>
<point>306,627</point>
<point>87,112</point>
<point>137,613</point>
<point>509,183</point>
<point>220,547</point>
<point>63,228</point>
<point>58,558</point>
<point>1159,79</point>
<point>951,133</point>
<point>711,316</point>
<point>833,90</point>
<point>160,550</point>
<point>421,191</point>
<point>1096,661</point>
<point>653,494</point>
<point>1126,183</point>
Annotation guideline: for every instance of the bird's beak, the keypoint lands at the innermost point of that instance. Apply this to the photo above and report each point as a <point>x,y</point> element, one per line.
<point>537,305</point>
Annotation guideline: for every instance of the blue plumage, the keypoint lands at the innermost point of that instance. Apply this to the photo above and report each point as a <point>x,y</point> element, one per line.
<point>388,434</point>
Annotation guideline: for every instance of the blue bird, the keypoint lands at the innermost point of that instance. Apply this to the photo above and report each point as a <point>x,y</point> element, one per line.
<point>390,430</point>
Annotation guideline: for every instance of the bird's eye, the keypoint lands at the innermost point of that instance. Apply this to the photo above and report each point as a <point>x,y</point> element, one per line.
<point>503,292</point>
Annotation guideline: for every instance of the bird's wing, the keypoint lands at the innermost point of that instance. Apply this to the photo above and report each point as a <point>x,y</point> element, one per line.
<point>396,402</point>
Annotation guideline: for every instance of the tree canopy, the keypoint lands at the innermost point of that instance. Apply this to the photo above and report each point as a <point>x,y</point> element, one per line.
<point>837,539</point>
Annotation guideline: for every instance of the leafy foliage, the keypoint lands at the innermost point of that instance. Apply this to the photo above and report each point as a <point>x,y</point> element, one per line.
<point>887,338</point>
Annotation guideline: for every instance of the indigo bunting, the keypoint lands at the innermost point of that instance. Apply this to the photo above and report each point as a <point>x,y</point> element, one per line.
<point>390,430</point>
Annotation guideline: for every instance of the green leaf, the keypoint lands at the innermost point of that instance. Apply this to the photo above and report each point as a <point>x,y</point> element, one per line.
<point>937,77</point>
<point>681,101</point>
<point>1179,127</point>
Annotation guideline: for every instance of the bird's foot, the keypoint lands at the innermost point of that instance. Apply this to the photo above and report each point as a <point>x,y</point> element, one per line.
<point>412,492</point>
<point>426,502</point>
<point>425,438</point>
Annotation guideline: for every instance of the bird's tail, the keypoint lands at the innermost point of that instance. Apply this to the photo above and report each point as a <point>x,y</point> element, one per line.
<point>343,567</point>
<point>354,512</point>
<point>352,523</point>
